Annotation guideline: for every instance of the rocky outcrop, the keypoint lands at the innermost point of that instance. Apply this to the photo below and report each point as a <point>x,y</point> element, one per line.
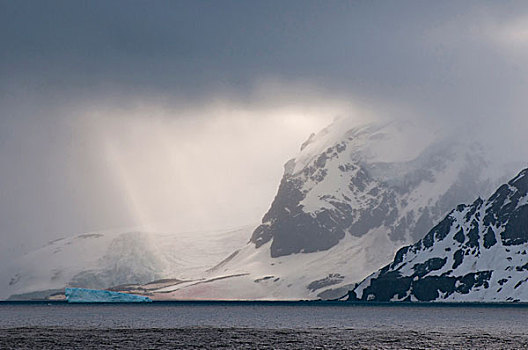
<point>477,253</point>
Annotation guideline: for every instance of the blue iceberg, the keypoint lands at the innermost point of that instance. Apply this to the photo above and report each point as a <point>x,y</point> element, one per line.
<point>83,295</point>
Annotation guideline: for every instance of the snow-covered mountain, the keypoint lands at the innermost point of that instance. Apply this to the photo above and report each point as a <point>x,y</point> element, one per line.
<point>477,253</point>
<point>107,259</point>
<point>346,203</point>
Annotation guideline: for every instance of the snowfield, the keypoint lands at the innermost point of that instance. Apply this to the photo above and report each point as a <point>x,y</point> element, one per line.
<point>105,259</point>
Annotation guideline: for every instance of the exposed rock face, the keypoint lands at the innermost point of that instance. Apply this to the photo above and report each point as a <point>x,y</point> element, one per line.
<point>355,181</point>
<point>477,253</point>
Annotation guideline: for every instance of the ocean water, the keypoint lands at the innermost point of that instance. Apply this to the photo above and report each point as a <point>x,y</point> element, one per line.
<point>260,325</point>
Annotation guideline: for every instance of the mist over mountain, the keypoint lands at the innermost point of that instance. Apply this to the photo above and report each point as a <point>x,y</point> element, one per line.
<point>112,114</point>
<point>346,203</point>
<point>138,117</point>
<point>353,196</point>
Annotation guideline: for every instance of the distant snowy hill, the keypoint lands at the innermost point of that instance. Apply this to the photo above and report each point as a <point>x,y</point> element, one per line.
<point>346,203</point>
<point>106,259</point>
<point>477,253</point>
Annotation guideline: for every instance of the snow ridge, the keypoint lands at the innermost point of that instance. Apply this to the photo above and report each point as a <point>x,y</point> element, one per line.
<point>478,253</point>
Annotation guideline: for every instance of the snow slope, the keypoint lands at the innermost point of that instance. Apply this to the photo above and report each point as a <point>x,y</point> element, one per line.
<point>477,253</point>
<point>346,203</point>
<point>105,259</point>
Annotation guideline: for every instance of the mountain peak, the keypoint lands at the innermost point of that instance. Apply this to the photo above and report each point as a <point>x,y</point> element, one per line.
<point>520,181</point>
<point>349,179</point>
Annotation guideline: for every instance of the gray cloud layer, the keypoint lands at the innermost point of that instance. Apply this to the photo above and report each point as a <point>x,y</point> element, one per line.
<point>462,63</point>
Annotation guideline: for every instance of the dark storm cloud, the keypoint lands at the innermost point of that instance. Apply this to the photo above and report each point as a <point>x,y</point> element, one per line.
<point>190,47</point>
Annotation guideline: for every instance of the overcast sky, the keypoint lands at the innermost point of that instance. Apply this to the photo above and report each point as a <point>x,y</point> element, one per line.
<point>178,115</point>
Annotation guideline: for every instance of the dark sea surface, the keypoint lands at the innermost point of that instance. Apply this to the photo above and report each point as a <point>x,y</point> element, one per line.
<point>261,325</point>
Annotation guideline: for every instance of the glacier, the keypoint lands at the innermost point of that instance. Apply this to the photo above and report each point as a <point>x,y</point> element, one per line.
<point>83,295</point>
<point>105,259</point>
